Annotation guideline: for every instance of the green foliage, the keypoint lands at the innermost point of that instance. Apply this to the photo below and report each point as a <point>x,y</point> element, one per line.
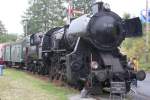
<point>136,47</point>
<point>132,46</point>
<point>82,5</point>
<point>4,37</point>
<point>7,38</point>
<point>2,28</point>
<point>45,14</point>
<point>126,16</point>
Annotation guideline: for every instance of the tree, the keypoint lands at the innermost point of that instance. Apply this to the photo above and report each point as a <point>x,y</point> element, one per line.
<point>4,37</point>
<point>43,15</point>
<point>126,16</point>
<point>82,5</point>
<point>2,29</point>
<point>7,38</point>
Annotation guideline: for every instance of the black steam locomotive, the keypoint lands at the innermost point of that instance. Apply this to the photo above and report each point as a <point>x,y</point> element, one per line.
<point>85,52</point>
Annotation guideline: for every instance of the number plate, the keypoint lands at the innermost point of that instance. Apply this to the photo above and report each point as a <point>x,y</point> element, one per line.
<point>118,87</point>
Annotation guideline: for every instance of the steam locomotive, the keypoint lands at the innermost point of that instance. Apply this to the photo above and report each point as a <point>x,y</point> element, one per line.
<point>85,53</point>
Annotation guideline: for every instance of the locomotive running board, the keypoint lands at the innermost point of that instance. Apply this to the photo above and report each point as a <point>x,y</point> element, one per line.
<point>61,50</point>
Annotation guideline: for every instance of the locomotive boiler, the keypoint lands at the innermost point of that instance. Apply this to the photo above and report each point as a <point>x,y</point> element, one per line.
<point>85,53</point>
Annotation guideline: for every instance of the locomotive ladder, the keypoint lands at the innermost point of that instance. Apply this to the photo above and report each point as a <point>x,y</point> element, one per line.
<point>117,91</point>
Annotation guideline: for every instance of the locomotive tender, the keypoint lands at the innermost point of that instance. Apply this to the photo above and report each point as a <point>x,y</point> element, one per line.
<point>85,53</point>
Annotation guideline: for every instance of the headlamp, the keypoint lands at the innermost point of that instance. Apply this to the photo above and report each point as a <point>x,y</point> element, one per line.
<point>94,65</point>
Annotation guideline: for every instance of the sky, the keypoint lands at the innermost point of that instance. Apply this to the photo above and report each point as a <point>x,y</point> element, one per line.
<point>12,10</point>
<point>10,14</point>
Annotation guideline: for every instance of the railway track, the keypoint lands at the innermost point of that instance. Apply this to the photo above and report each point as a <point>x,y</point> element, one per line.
<point>132,95</point>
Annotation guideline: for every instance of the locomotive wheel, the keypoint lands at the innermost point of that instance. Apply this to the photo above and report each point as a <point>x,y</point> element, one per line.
<point>59,77</point>
<point>39,68</point>
<point>42,70</point>
<point>51,73</point>
<point>34,68</point>
<point>57,72</point>
<point>30,67</point>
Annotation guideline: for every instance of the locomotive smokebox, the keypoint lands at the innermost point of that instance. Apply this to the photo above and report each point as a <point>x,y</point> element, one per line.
<point>105,28</point>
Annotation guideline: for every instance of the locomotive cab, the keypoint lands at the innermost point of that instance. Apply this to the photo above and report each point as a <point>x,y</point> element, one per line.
<point>36,39</point>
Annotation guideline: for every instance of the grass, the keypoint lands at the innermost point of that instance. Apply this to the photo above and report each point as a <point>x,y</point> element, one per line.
<point>18,85</point>
<point>145,66</point>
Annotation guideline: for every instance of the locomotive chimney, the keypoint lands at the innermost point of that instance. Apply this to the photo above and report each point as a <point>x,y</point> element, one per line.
<point>98,6</point>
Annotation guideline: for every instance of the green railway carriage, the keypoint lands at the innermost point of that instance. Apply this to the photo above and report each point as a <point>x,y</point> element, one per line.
<point>16,52</point>
<point>2,47</point>
<point>26,53</point>
<point>7,54</point>
<point>13,53</point>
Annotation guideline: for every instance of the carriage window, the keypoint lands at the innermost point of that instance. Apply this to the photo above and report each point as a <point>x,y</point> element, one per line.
<point>32,41</point>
